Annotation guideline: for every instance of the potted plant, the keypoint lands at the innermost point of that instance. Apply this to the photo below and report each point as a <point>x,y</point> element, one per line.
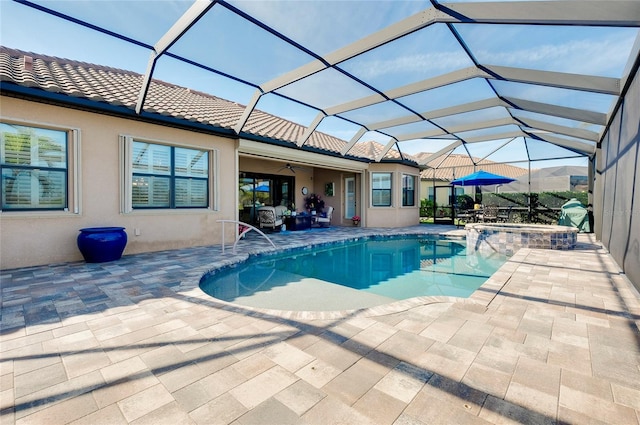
<point>356,220</point>
<point>314,204</point>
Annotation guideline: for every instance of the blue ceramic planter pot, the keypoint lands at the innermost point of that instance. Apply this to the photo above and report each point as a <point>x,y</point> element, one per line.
<point>102,244</point>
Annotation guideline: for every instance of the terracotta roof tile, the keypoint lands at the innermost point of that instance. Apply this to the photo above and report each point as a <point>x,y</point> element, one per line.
<point>458,165</point>
<point>119,87</point>
<point>372,149</point>
<point>326,142</point>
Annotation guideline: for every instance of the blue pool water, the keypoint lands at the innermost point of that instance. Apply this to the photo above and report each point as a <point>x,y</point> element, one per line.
<point>354,274</point>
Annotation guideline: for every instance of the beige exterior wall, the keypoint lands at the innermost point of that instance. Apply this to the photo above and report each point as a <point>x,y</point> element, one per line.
<point>396,215</point>
<point>324,176</point>
<point>36,238</point>
<point>50,237</point>
<point>427,184</point>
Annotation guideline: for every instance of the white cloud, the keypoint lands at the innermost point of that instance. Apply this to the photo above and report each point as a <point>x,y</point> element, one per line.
<point>606,56</point>
<point>427,63</point>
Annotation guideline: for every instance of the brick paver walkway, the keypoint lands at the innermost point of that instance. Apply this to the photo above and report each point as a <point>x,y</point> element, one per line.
<point>552,337</point>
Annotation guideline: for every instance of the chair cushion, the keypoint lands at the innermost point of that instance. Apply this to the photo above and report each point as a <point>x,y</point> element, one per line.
<point>267,217</point>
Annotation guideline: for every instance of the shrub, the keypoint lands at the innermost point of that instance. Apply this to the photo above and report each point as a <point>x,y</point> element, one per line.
<point>426,207</point>
<point>464,202</point>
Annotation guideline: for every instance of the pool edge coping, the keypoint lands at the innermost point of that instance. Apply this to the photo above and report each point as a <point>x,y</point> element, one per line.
<point>480,298</point>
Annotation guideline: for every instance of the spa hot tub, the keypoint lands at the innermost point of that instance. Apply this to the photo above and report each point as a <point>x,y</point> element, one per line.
<point>507,238</point>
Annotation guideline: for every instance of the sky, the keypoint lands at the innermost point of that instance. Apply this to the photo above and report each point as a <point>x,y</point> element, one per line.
<point>229,43</point>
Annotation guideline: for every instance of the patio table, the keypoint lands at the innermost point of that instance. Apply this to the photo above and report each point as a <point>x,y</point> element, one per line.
<point>298,222</point>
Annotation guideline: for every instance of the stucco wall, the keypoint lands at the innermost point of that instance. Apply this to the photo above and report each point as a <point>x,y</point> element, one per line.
<point>396,215</point>
<point>617,186</point>
<point>320,180</point>
<point>50,237</point>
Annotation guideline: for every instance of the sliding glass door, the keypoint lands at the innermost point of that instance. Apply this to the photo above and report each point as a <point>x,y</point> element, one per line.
<point>256,190</point>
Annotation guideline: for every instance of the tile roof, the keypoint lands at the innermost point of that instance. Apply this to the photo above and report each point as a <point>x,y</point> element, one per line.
<point>120,88</point>
<point>458,165</point>
<point>372,149</point>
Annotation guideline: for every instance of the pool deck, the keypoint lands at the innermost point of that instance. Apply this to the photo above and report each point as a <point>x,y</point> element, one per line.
<point>552,337</point>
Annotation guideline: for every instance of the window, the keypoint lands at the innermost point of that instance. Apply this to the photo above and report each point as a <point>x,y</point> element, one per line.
<point>408,190</point>
<point>164,176</point>
<point>381,189</point>
<point>35,168</point>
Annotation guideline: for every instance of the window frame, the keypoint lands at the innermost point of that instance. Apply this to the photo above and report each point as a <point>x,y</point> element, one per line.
<point>413,179</point>
<point>127,176</point>
<point>389,190</point>
<point>72,170</point>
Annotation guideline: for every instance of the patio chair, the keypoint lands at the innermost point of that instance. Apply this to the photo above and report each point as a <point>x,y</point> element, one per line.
<point>280,209</point>
<point>490,213</point>
<point>325,219</point>
<point>504,216</point>
<point>463,215</point>
<point>268,219</point>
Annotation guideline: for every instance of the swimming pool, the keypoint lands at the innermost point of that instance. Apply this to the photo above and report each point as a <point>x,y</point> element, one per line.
<point>354,274</point>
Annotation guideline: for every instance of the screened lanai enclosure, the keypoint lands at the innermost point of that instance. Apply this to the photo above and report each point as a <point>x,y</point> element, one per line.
<point>522,88</point>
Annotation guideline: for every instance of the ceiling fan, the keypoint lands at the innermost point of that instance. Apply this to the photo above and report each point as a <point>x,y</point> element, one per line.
<point>291,168</point>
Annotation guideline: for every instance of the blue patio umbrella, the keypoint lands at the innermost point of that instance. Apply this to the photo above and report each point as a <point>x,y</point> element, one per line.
<point>259,188</point>
<point>481,178</point>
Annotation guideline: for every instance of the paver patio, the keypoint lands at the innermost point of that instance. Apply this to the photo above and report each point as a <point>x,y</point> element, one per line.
<point>552,337</point>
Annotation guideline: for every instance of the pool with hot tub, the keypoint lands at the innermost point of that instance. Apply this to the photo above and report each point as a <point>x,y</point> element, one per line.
<point>508,238</point>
